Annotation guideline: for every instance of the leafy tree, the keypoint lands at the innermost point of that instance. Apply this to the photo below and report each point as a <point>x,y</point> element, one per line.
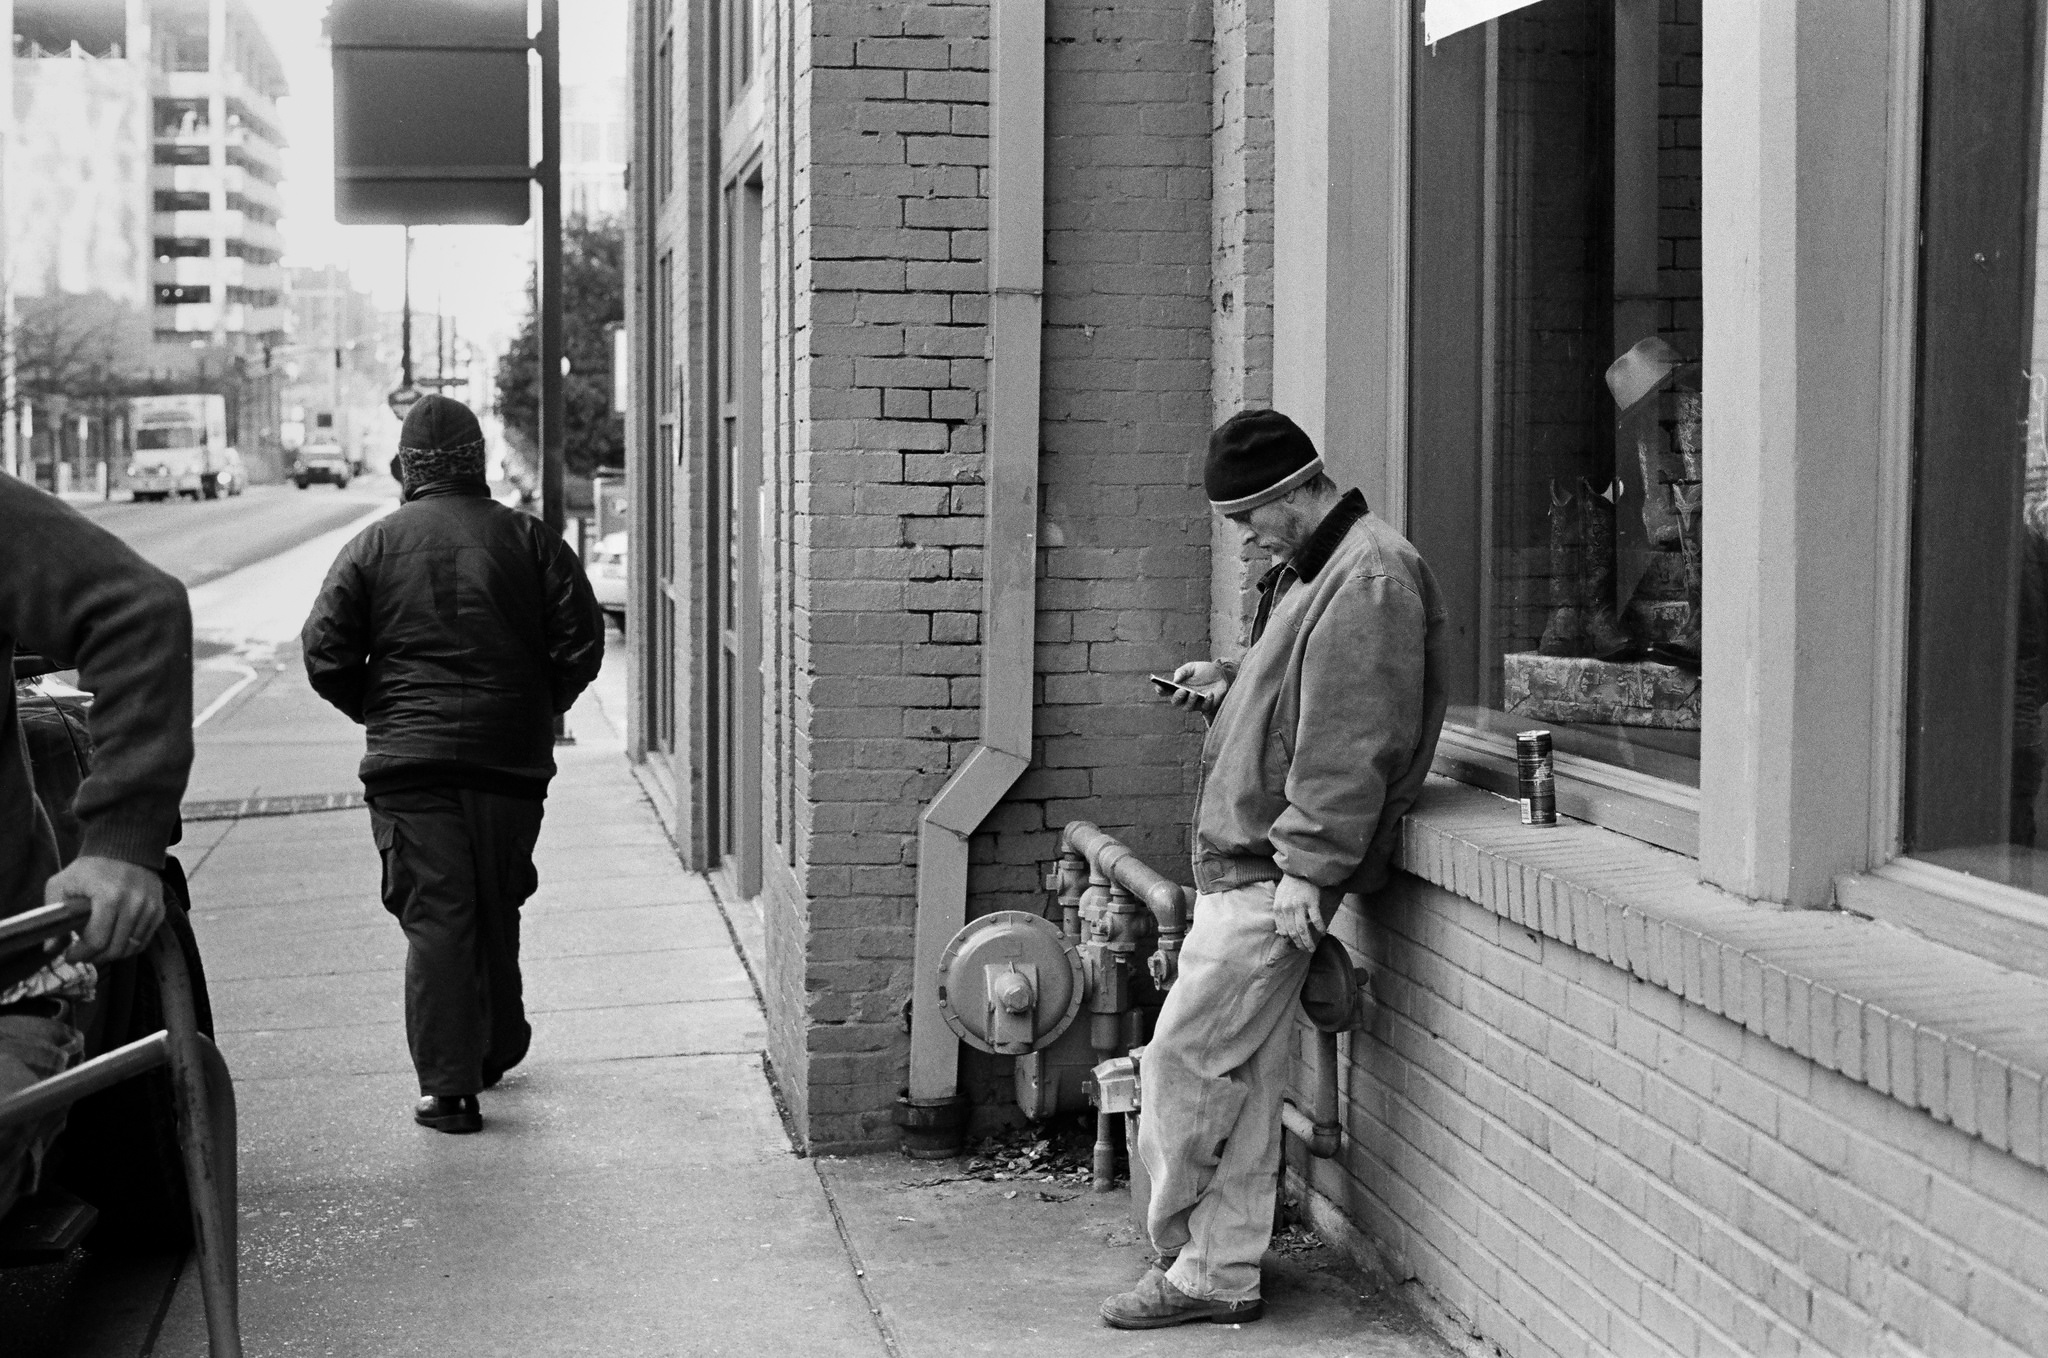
<point>593,297</point>
<point>82,347</point>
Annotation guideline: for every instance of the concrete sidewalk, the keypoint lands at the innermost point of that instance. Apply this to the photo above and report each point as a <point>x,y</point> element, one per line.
<point>634,1191</point>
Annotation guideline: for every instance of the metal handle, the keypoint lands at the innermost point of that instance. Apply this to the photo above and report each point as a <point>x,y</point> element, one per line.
<point>31,927</point>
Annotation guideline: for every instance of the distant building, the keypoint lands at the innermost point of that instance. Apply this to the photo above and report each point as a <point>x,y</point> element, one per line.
<point>336,367</point>
<point>214,185</point>
<point>143,168</point>
<point>594,130</point>
<point>79,182</point>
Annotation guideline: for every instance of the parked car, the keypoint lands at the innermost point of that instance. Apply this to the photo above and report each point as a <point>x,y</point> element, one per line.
<point>233,477</point>
<point>608,577</point>
<point>321,462</point>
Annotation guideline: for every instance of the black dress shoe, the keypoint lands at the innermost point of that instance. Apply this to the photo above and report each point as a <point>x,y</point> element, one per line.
<point>455,1113</point>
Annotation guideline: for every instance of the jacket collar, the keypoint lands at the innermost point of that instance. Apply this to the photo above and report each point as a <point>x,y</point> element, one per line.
<point>454,485</point>
<point>1315,553</point>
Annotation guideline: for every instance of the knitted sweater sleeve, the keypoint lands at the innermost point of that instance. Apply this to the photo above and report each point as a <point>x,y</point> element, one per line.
<point>78,595</point>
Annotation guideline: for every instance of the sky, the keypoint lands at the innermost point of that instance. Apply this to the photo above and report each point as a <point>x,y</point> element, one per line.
<point>478,273</point>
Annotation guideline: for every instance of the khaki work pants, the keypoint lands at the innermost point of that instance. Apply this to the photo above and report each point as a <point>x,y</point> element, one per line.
<point>1214,1075</point>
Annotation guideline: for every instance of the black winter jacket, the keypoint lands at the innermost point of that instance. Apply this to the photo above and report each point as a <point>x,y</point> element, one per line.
<point>76,594</point>
<point>455,630</point>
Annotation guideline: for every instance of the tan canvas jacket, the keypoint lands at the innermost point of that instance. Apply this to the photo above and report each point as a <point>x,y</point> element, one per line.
<point>1330,725</point>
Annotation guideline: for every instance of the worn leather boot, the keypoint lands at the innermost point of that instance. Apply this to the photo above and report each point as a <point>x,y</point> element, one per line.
<point>1156,1303</point>
<point>1603,636</point>
<point>1562,634</point>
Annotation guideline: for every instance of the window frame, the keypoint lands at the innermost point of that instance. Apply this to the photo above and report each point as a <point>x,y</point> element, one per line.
<point>1660,811</point>
<point>1972,913</point>
<point>1802,730</point>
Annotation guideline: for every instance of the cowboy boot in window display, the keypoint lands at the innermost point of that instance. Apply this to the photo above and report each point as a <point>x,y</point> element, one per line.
<point>1683,650</point>
<point>1602,634</point>
<point>1562,636</point>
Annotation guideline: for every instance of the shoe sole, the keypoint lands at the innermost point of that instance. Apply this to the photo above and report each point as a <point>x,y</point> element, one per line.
<point>1189,1317</point>
<point>454,1126</point>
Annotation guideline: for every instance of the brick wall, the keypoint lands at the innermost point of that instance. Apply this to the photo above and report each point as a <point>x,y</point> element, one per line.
<point>1124,570</point>
<point>1678,175</point>
<point>888,181</point>
<point>1574,1161</point>
<point>1241,277</point>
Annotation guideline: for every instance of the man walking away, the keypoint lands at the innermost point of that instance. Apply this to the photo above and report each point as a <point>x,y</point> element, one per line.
<point>455,630</point>
<point>1322,736</point>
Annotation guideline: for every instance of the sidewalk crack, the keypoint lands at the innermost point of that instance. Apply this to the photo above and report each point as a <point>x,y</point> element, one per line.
<point>860,1272</point>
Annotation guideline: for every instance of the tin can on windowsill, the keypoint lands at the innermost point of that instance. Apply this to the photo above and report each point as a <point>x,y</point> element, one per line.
<point>1535,780</point>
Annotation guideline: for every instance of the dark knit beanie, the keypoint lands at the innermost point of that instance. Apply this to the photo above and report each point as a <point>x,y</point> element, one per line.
<point>441,441</point>
<point>1257,456</point>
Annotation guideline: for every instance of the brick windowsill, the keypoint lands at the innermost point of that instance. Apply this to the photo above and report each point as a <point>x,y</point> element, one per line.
<point>1933,1027</point>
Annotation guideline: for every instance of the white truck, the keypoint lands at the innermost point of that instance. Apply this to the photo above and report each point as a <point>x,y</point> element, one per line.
<point>177,445</point>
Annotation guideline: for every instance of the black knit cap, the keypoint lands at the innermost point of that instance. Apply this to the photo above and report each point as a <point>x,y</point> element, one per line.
<point>441,441</point>
<point>1257,456</point>
<point>439,423</point>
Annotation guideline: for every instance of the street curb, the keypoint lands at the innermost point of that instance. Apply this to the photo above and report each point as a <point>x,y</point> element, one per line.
<point>242,807</point>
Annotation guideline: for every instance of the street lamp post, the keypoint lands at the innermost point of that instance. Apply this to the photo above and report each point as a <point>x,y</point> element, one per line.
<point>553,441</point>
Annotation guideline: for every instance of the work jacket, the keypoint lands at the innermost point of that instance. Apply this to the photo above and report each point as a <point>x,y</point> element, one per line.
<point>81,598</point>
<point>1330,723</point>
<point>455,630</point>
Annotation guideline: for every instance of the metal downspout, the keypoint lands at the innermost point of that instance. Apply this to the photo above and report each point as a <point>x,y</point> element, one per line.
<point>1016,209</point>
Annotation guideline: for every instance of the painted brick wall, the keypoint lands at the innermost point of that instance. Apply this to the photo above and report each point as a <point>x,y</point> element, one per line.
<point>1578,1162</point>
<point>888,171</point>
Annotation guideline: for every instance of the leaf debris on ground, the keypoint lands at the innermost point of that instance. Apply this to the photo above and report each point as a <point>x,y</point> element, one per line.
<point>1058,1151</point>
<point>1297,1240</point>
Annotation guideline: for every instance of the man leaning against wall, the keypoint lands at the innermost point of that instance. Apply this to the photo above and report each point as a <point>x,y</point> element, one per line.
<point>1320,738</point>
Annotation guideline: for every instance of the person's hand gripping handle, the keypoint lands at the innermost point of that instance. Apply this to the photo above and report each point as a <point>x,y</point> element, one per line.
<point>127,906</point>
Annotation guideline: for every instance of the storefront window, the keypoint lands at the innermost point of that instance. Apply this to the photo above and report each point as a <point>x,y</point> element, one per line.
<point>1978,675</point>
<point>1555,459</point>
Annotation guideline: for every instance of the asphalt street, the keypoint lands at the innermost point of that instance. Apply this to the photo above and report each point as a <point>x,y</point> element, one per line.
<point>202,540</point>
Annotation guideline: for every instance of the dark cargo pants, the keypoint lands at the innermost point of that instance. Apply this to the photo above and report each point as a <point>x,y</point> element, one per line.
<point>458,864</point>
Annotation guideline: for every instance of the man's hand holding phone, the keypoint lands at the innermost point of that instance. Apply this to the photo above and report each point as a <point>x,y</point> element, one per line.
<point>1197,686</point>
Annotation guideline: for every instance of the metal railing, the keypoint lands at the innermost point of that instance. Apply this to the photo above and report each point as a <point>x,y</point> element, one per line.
<point>203,1097</point>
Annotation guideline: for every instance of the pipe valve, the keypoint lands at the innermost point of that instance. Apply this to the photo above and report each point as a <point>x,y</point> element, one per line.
<point>1115,1085</point>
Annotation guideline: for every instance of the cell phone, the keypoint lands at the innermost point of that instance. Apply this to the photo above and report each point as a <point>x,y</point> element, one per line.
<point>1167,688</point>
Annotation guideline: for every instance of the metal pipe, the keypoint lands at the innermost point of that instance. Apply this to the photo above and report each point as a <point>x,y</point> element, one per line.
<point>59,1092</point>
<point>204,1099</point>
<point>1111,859</point>
<point>44,922</point>
<point>1010,522</point>
<point>1322,1129</point>
<point>1115,861</point>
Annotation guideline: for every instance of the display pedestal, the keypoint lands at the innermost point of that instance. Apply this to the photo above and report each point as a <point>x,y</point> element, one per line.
<point>1583,691</point>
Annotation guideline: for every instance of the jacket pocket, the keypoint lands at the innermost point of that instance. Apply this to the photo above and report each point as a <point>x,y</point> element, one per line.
<point>391,889</point>
<point>1276,756</point>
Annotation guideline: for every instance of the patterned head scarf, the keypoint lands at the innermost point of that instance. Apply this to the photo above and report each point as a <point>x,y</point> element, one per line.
<point>441,441</point>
